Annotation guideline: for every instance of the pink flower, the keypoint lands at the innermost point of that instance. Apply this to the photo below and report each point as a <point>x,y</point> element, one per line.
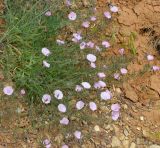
<point>155,68</point>
<point>79,105</point>
<point>23,92</point>
<point>86,24</point>
<point>121,51</point>
<point>72,16</point>
<point>123,71</point>
<point>8,90</point>
<point>62,108</point>
<point>106,95</point>
<point>48,13</point>
<point>77,36</point>
<point>78,88</point>
<point>86,85</point>
<point>115,111</point>
<point>101,75</point>
<point>65,146</point>
<point>91,58</point>
<point>115,107</point>
<point>47,143</point>
<point>93,18</point>
<point>115,115</point>
<point>46,98</point>
<point>106,44</point>
<point>58,94</point>
<point>99,84</point>
<point>114,8</point>
<point>90,44</point>
<point>117,76</point>
<point>107,14</point>
<point>64,121</point>
<point>150,57</point>
<point>93,106</point>
<point>83,45</point>
<point>78,134</point>
<point>46,64</point>
<point>93,65</point>
<point>60,42</point>
<point>68,2</point>
<point>45,51</point>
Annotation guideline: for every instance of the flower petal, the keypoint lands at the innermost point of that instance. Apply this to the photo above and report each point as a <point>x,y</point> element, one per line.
<point>115,107</point>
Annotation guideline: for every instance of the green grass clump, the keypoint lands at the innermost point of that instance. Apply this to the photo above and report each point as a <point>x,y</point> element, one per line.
<point>28,30</point>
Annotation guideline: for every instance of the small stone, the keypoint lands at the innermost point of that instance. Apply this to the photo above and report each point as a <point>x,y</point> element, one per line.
<point>133,145</point>
<point>154,146</point>
<point>96,128</point>
<point>141,118</point>
<point>126,132</point>
<point>115,142</point>
<point>138,128</point>
<point>118,90</point>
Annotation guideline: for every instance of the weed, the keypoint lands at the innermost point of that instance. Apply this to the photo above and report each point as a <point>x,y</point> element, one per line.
<point>131,43</point>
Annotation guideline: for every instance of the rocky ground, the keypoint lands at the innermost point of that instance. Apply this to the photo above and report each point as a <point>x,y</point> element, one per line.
<point>139,95</point>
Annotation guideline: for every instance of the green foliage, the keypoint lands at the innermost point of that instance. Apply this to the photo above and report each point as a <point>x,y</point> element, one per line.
<point>131,43</point>
<point>28,31</point>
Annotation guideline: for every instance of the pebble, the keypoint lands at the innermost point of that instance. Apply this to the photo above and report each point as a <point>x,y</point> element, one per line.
<point>141,118</point>
<point>115,142</point>
<point>96,128</point>
<point>133,145</point>
<point>126,133</point>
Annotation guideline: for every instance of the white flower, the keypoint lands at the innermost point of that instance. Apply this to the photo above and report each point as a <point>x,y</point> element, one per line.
<point>77,36</point>
<point>92,106</point>
<point>150,57</point>
<point>123,71</point>
<point>46,64</point>
<point>79,105</point>
<point>78,88</point>
<point>72,16</point>
<point>62,108</point>
<point>77,134</point>
<point>64,121</point>
<point>46,98</point>
<point>91,57</point>
<point>93,65</point>
<point>8,90</point>
<point>46,51</point>
<point>106,95</point>
<point>114,8</point>
<point>58,94</point>
<point>101,75</point>
<point>86,85</point>
<point>83,45</point>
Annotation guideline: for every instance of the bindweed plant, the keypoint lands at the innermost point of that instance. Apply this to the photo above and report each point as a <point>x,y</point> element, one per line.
<point>29,29</point>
